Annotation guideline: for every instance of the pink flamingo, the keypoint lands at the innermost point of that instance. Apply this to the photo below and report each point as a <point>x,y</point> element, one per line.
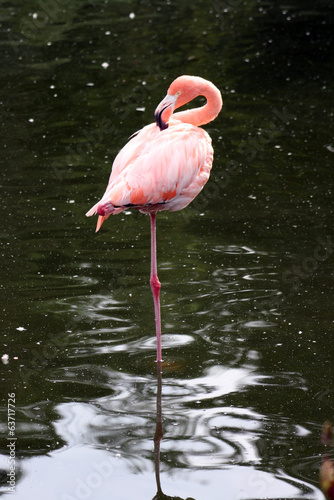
<point>164,166</point>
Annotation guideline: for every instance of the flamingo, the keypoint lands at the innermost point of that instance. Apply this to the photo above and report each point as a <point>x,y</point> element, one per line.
<point>326,473</point>
<point>164,165</point>
<point>326,477</point>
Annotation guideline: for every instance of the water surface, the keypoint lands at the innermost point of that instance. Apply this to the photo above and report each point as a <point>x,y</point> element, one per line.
<point>246,270</point>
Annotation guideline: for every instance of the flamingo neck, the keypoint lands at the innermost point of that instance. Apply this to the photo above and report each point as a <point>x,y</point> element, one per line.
<point>204,114</point>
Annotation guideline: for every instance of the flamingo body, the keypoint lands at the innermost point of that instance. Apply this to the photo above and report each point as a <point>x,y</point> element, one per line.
<point>159,169</point>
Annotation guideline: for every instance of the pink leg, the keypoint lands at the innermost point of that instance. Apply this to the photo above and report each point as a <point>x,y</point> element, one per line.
<point>155,286</point>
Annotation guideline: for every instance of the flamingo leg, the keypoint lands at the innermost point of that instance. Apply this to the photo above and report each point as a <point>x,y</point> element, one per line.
<point>155,286</point>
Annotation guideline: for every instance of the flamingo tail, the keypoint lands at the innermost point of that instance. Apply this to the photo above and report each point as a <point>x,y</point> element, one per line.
<point>100,221</point>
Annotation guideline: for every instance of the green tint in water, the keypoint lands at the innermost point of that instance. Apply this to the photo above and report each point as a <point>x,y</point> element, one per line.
<point>246,270</point>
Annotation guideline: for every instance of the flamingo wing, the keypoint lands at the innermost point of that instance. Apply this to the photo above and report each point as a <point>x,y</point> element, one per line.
<point>159,170</point>
<point>133,149</point>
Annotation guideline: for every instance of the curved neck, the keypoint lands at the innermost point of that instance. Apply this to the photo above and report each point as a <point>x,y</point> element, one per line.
<point>206,113</point>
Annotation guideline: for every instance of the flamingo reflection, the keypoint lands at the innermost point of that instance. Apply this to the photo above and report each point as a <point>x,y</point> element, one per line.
<point>157,440</point>
<point>326,473</point>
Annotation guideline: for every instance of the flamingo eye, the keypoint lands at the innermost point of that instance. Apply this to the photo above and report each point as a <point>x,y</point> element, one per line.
<point>178,93</point>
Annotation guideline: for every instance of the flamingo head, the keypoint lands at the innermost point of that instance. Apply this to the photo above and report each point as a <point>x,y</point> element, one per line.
<point>181,91</point>
<point>165,110</point>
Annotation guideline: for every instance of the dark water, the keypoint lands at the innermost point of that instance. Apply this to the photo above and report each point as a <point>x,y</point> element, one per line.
<point>246,270</point>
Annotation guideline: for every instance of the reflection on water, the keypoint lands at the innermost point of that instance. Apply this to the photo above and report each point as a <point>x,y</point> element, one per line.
<point>108,443</point>
<point>223,417</point>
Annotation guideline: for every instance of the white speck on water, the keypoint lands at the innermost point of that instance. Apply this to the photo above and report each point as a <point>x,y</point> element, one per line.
<point>132,15</point>
<point>5,359</point>
<point>105,65</point>
<point>21,329</point>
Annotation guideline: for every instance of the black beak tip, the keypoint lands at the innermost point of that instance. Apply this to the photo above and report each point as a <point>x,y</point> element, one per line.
<point>159,121</point>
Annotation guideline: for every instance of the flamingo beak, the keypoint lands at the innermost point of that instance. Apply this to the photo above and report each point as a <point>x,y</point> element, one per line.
<point>164,111</point>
